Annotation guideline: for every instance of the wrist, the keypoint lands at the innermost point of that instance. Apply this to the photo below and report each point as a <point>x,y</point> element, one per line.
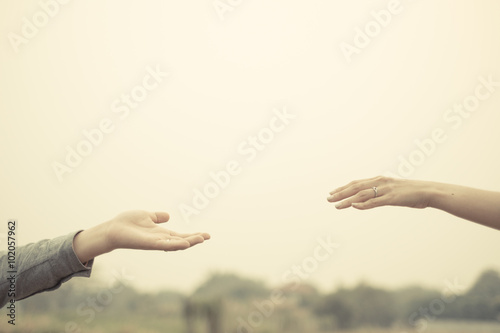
<point>435,193</point>
<point>92,242</point>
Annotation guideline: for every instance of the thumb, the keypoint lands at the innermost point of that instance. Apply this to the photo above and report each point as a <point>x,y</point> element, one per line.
<point>160,217</point>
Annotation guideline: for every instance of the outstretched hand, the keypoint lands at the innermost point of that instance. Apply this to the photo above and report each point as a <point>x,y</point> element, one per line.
<point>472,204</point>
<point>140,230</point>
<point>381,191</point>
<point>135,229</point>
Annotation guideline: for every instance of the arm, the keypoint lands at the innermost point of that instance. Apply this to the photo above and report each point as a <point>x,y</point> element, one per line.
<point>475,205</point>
<point>45,265</point>
<point>40,266</point>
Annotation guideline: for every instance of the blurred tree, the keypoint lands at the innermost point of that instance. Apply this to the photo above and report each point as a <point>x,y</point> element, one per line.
<point>487,285</point>
<point>410,299</point>
<point>362,305</point>
<point>480,302</point>
<point>304,295</point>
<point>230,286</point>
<point>334,306</point>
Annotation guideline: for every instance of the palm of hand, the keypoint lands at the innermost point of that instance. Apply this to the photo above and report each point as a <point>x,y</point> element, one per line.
<point>140,230</point>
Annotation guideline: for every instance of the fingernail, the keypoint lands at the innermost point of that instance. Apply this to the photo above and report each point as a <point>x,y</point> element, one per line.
<point>338,205</point>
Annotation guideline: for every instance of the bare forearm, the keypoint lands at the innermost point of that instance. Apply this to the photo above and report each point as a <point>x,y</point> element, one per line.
<point>472,204</point>
<point>92,242</point>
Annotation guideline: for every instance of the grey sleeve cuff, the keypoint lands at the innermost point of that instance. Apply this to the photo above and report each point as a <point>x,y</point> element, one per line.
<point>64,262</point>
<point>43,266</point>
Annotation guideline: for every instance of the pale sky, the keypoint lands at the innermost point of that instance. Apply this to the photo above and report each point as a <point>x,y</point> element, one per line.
<point>351,115</point>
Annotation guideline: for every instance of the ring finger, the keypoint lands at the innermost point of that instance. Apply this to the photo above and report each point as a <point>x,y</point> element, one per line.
<point>361,196</point>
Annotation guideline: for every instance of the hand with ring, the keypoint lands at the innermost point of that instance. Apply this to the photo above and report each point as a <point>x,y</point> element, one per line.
<point>380,191</point>
<point>472,204</point>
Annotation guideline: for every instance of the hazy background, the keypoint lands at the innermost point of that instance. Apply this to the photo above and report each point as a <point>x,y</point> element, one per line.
<point>226,76</point>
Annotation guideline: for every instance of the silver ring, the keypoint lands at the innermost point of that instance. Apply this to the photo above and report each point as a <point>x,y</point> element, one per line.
<point>375,191</point>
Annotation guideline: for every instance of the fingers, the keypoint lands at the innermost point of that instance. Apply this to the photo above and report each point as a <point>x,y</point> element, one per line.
<point>372,203</point>
<point>176,243</point>
<point>356,187</point>
<point>173,244</point>
<point>351,189</point>
<point>359,182</point>
<point>354,182</point>
<point>205,235</point>
<point>195,239</point>
<point>362,196</point>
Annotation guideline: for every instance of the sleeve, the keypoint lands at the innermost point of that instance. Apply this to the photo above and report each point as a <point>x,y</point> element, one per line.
<point>41,266</point>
